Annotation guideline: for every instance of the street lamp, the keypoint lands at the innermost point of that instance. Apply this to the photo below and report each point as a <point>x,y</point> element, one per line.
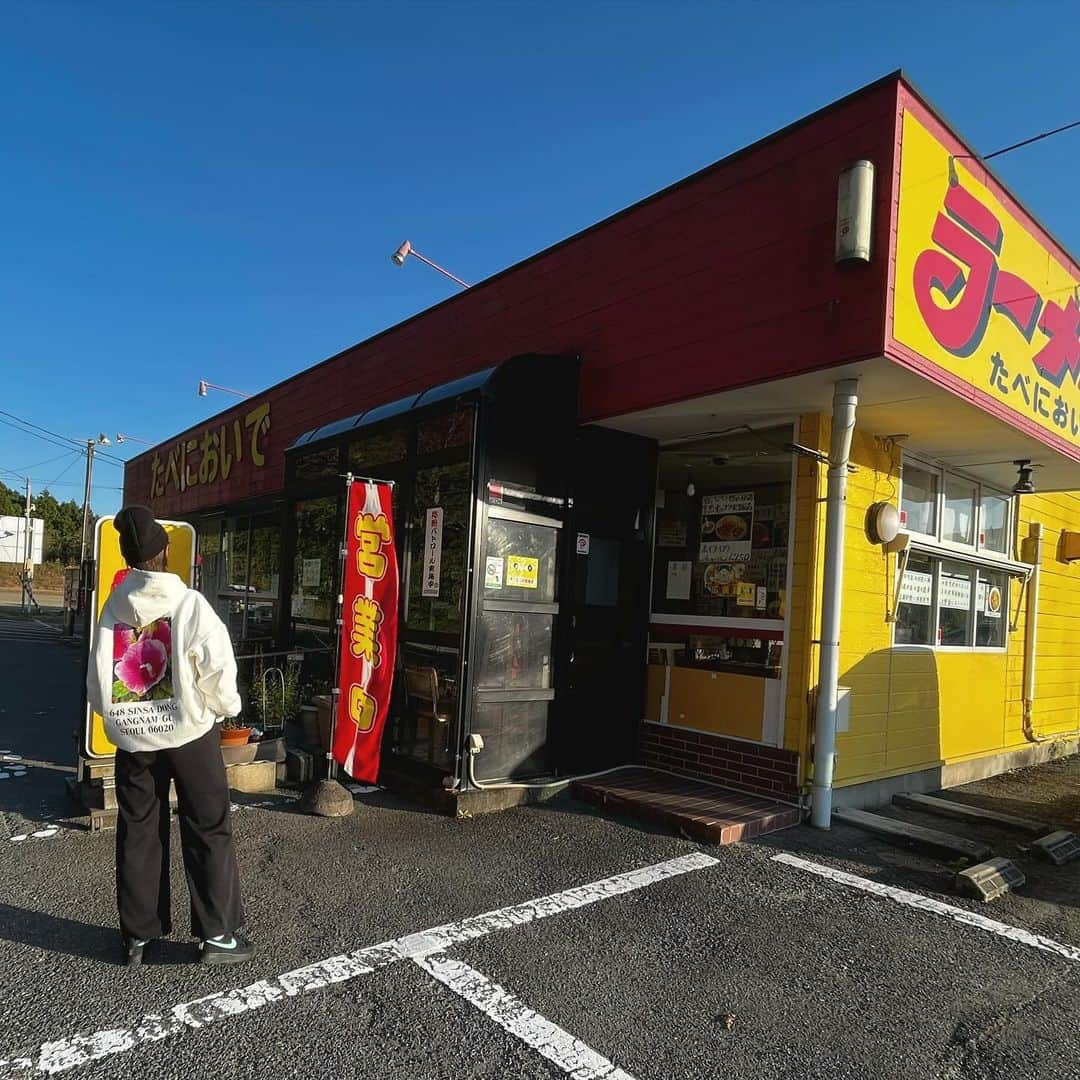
<point>204,386</point>
<point>121,438</point>
<point>406,249</point>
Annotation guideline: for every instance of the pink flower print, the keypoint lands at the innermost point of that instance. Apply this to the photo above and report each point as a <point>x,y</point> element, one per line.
<point>143,665</point>
<point>159,631</point>
<point>123,639</point>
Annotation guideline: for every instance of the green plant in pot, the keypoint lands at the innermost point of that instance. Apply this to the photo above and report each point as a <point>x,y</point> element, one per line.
<point>275,695</point>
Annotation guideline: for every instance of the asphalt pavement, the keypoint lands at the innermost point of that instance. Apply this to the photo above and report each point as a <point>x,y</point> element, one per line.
<point>616,951</point>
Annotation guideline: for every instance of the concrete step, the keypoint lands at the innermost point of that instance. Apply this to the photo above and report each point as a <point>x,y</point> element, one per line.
<point>930,804</point>
<point>905,834</point>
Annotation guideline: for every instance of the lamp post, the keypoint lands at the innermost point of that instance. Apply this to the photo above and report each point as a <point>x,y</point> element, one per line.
<point>406,249</point>
<point>122,438</point>
<point>204,386</point>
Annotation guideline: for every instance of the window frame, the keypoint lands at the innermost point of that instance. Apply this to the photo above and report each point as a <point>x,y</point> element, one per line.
<point>983,560</point>
<point>977,546</point>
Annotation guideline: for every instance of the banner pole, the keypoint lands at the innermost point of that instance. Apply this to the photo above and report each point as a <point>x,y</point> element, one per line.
<point>339,622</point>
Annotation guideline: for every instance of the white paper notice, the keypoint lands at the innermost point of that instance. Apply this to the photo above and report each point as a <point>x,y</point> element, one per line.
<point>678,580</point>
<point>433,538</point>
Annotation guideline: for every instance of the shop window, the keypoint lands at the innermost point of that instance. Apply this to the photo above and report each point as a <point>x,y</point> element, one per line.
<point>958,520</point>
<point>956,587</point>
<point>315,567</point>
<point>317,464</point>
<point>423,723</point>
<point>991,609</point>
<point>946,506</point>
<point>378,448</point>
<point>723,552</point>
<point>918,503</point>
<point>955,604</point>
<point>994,523</point>
<point>914,612</point>
<point>440,530</point>
<point>232,579</point>
<point>449,431</point>
<point>955,596</point>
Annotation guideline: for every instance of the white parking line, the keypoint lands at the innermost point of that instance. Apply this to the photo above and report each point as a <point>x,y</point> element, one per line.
<point>933,907</point>
<point>570,1055</point>
<point>70,1053</point>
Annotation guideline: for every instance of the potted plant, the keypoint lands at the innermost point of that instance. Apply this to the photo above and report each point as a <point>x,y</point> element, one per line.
<point>234,732</point>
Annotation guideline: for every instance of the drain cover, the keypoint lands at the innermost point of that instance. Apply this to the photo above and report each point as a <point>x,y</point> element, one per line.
<point>1059,847</point>
<point>991,879</point>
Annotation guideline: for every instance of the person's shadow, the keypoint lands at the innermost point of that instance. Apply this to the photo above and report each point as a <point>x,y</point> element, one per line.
<point>102,943</point>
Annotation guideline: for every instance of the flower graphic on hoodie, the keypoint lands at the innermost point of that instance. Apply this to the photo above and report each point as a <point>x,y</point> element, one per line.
<point>142,659</point>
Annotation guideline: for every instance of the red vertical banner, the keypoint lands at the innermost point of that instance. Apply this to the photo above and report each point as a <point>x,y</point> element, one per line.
<point>369,630</point>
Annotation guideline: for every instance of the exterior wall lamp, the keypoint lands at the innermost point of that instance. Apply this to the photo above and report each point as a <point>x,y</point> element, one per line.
<point>204,386</point>
<point>406,249</point>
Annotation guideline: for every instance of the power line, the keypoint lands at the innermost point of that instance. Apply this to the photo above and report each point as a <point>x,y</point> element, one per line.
<point>1033,139</point>
<point>67,444</point>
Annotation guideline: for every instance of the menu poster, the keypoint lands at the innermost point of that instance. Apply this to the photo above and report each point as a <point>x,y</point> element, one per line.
<point>670,532</point>
<point>727,524</point>
<point>722,579</point>
<point>917,589</point>
<point>678,580</point>
<point>988,600</point>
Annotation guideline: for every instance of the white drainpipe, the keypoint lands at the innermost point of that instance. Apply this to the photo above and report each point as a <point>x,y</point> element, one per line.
<point>845,399</point>
<point>1031,632</point>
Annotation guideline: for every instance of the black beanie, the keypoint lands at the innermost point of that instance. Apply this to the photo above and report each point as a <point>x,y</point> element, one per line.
<point>141,537</point>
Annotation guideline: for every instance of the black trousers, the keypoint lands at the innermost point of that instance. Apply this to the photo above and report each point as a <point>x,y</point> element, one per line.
<point>142,840</point>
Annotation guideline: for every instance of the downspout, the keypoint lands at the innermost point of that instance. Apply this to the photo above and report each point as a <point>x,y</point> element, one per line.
<point>1035,535</point>
<point>845,399</point>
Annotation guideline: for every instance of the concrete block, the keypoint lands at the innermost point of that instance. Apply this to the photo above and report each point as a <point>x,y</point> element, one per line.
<point>915,836</point>
<point>991,879</point>
<point>258,776</point>
<point>299,766</point>
<point>929,804</point>
<point>1058,847</point>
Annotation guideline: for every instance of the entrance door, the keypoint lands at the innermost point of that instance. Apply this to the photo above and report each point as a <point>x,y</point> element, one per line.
<point>614,484</point>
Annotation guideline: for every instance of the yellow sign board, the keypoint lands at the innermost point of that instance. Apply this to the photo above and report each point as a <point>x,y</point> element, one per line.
<point>109,571</point>
<point>979,295</point>
<point>522,572</point>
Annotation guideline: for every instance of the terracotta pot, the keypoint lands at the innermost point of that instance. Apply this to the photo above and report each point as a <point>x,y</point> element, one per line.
<point>235,736</point>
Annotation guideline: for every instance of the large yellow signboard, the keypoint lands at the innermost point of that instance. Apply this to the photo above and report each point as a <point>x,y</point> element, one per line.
<point>979,295</point>
<point>110,567</point>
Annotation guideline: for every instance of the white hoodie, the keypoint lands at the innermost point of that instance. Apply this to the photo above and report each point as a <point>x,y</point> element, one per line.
<point>162,670</point>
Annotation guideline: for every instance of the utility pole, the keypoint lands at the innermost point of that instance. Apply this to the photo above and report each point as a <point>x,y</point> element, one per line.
<point>84,577</point>
<point>28,553</point>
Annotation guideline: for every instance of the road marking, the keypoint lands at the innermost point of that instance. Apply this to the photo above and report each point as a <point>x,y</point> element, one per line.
<point>934,907</point>
<point>568,1054</point>
<point>70,1053</point>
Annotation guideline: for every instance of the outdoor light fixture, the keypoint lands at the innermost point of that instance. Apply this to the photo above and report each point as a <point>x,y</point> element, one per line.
<point>406,249</point>
<point>204,386</point>
<point>1024,484</point>
<point>690,489</point>
<point>122,438</point>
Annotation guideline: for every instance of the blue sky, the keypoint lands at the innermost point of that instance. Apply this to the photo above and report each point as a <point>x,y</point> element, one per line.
<point>213,190</point>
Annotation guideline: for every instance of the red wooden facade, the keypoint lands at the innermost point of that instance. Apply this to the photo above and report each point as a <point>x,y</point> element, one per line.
<point>724,280</point>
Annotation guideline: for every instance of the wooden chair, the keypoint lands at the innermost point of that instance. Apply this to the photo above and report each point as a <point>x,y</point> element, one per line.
<point>422,690</point>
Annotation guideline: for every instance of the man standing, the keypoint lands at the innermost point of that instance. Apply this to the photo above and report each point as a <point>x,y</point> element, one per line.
<point>161,674</point>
